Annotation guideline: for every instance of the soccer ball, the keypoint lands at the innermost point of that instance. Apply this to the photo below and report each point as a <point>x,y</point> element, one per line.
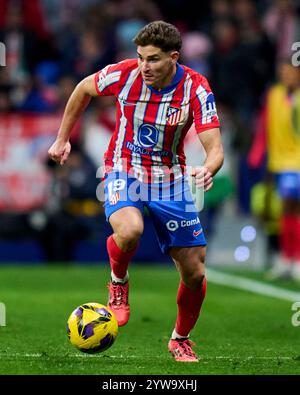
<point>92,328</point>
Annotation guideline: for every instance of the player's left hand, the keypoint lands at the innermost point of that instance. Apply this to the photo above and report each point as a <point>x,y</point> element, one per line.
<point>203,177</point>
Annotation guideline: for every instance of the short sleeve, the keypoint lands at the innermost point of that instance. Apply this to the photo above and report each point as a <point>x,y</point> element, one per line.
<point>106,80</point>
<point>204,107</point>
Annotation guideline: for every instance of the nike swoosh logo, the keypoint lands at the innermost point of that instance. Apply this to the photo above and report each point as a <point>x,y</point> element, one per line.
<point>197,232</point>
<point>126,103</point>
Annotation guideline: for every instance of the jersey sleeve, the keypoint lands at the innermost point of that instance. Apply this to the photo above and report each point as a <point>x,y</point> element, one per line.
<point>107,80</point>
<point>204,107</point>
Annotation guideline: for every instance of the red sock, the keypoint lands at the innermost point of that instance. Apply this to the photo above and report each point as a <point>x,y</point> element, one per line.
<point>118,259</point>
<point>189,304</point>
<point>287,236</point>
<point>296,239</point>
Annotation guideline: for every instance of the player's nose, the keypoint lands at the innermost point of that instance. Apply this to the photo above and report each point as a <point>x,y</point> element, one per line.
<point>145,67</point>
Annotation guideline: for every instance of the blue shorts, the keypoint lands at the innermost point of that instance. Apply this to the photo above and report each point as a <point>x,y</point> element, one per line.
<point>170,205</point>
<point>288,185</point>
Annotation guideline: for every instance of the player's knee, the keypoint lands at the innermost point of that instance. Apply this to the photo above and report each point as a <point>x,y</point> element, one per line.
<point>194,278</point>
<point>130,234</point>
<point>201,257</point>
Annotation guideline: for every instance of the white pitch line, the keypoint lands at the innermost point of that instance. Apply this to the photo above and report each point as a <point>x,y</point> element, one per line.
<point>246,284</point>
<point>229,358</point>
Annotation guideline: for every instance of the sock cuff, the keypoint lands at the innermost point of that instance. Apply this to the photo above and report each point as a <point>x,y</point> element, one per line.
<point>116,279</point>
<point>116,253</point>
<point>186,294</point>
<point>192,291</point>
<point>176,336</point>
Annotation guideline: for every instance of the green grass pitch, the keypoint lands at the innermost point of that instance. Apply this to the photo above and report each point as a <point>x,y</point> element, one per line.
<point>238,332</point>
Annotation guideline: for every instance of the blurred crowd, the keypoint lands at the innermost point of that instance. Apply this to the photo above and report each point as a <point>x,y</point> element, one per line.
<point>52,44</point>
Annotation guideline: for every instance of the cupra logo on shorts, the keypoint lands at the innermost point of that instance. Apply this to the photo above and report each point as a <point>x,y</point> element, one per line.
<point>172,225</point>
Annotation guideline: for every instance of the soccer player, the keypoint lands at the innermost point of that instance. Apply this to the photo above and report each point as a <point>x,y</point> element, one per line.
<point>157,101</point>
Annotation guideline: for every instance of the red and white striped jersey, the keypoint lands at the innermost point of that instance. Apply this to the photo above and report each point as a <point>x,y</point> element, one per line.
<point>151,125</point>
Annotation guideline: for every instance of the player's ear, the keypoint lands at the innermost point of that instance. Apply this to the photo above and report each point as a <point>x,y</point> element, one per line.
<point>174,56</point>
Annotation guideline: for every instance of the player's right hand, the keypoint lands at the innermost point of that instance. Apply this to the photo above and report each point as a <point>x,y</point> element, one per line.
<point>59,151</point>
<point>203,177</point>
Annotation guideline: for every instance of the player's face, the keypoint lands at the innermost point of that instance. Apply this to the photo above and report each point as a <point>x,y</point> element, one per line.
<point>157,67</point>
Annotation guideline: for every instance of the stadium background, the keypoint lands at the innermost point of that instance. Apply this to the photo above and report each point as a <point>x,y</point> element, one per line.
<point>50,214</point>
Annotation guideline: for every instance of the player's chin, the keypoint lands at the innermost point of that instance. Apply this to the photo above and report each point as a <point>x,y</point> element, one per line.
<point>148,81</point>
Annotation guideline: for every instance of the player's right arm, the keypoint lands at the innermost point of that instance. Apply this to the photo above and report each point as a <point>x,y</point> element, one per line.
<point>77,103</point>
<point>208,129</point>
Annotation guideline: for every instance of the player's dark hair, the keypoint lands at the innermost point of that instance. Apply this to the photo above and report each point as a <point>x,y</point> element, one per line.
<point>160,34</point>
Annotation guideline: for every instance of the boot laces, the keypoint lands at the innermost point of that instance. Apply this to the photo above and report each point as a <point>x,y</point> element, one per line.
<point>119,293</point>
<point>186,345</point>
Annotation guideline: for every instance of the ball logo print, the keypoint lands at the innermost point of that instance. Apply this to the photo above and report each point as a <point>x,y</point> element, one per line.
<point>172,225</point>
<point>92,328</point>
<point>148,136</point>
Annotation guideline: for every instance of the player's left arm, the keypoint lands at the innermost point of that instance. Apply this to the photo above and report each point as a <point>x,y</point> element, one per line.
<point>212,143</point>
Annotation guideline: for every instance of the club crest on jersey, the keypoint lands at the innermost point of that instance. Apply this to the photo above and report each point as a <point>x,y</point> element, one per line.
<point>174,115</point>
<point>115,198</point>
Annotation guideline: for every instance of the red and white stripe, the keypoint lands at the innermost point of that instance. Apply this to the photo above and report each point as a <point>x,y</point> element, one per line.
<point>138,105</point>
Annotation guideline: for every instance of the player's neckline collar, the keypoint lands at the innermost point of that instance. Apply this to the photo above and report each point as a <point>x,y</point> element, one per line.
<point>177,78</point>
